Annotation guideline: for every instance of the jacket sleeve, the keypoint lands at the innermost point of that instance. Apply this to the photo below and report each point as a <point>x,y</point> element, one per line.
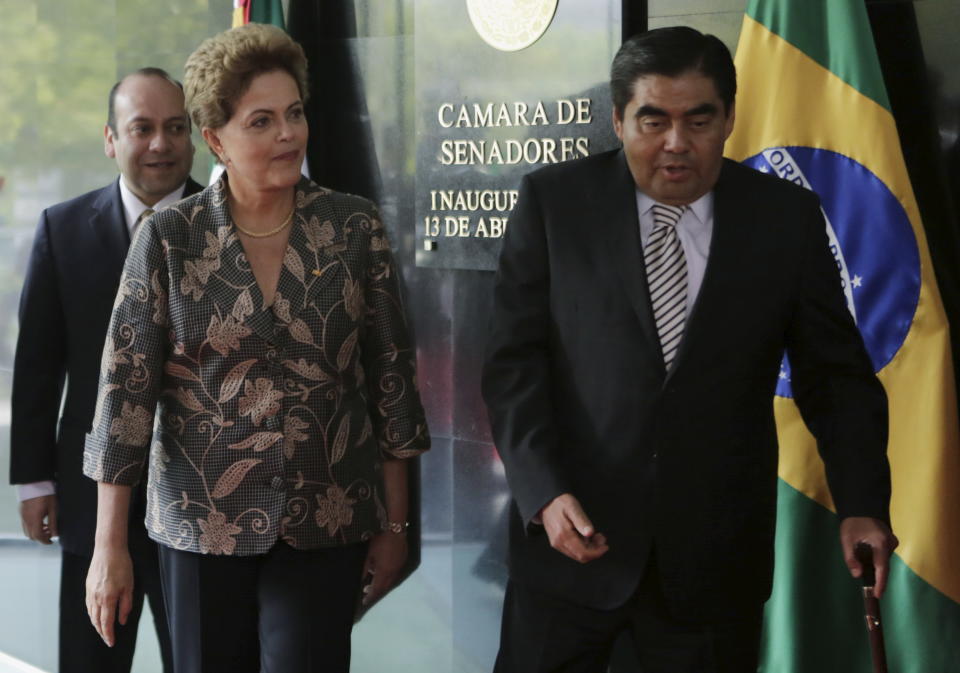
<point>517,386</point>
<point>131,368</point>
<point>39,367</point>
<point>840,399</point>
<point>388,356</point>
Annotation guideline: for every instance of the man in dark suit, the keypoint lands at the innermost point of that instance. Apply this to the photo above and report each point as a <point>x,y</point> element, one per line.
<point>71,281</point>
<point>643,303</point>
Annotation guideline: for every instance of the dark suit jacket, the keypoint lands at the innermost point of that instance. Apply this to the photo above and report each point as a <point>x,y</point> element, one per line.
<point>65,306</point>
<point>683,463</point>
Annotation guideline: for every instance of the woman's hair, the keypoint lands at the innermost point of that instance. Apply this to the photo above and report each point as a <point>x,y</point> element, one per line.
<point>221,69</point>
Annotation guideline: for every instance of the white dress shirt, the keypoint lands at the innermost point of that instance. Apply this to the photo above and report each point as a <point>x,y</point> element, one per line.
<point>133,207</point>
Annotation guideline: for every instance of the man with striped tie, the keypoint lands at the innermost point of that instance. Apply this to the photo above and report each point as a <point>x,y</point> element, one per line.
<point>68,293</point>
<point>644,300</point>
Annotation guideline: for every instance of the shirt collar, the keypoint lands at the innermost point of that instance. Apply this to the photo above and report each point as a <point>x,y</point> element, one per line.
<point>702,208</point>
<point>133,206</point>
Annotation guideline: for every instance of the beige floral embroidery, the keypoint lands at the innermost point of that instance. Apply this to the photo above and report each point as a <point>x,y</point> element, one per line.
<point>305,198</point>
<point>379,271</point>
<point>191,284</point>
<point>108,361</point>
<point>196,274</point>
<point>98,471</point>
<point>226,335</point>
<point>214,244</point>
<point>292,425</point>
<point>160,301</point>
<point>319,236</point>
<point>134,426</point>
<point>158,459</point>
<point>334,510</point>
<point>259,400</point>
<point>105,390</point>
<point>123,291</point>
<point>185,396</point>
<point>220,191</point>
<point>155,520</point>
<point>281,307</point>
<point>217,534</point>
<point>243,306</point>
<point>353,299</point>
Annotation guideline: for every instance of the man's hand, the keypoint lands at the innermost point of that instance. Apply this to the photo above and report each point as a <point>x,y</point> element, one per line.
<point>570,531</point>
<point>109,591</point>
<point>39,518</point>
<point>875,533</point>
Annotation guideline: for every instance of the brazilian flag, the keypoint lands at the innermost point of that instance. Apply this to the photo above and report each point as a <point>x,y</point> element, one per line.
<point>257,11</point>
<point>812,108</point>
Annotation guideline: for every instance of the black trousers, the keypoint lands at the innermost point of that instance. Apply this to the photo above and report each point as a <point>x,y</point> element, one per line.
<point>81,649</point>
<point>286,611</point>
<point>543,634</point>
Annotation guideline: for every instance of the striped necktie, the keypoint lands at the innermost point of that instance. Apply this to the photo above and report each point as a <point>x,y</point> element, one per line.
<point>667,278</point>
<point>144,215</point>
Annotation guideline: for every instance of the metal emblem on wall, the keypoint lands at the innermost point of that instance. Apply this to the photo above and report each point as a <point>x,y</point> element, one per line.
<point>503,87</point>
<point>511,25</point>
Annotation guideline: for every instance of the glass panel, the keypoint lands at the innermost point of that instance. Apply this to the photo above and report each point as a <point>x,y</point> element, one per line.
<point>936,20</point>
<point>446,617</point>
<point>29,585</point>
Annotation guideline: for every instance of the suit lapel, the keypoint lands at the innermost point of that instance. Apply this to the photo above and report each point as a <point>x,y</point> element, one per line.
<point>311,260</point>
<point>109,221</point>
<point>728,242</point>
<point>309,264</point>
<point>237,290</point>
<point>619,210</point>
<point>109,226</point>
<point>191,187</point>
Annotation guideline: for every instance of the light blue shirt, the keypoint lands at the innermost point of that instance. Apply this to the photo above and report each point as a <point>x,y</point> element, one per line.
<point>695,230</point>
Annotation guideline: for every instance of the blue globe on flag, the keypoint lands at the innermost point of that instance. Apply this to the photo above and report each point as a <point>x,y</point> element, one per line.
<point>871,240</point>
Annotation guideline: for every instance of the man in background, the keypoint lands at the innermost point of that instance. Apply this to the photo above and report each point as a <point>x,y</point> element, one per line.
<point>72,278</point>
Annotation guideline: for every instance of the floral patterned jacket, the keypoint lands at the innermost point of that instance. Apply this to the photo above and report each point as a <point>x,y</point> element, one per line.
<point>273,421</point>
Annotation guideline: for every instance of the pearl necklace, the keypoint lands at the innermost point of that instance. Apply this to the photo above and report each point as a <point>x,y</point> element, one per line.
<point>272,232</point>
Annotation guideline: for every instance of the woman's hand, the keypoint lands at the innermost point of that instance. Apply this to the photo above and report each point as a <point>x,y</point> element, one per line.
<point>109,590</point>
<point>387,551</point>
<point>385,557</point>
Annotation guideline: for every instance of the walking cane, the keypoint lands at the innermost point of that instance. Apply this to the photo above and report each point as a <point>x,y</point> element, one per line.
<point>871,606</point>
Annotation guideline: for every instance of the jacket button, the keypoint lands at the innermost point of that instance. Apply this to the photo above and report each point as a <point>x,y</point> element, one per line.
<point>278,484</point>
